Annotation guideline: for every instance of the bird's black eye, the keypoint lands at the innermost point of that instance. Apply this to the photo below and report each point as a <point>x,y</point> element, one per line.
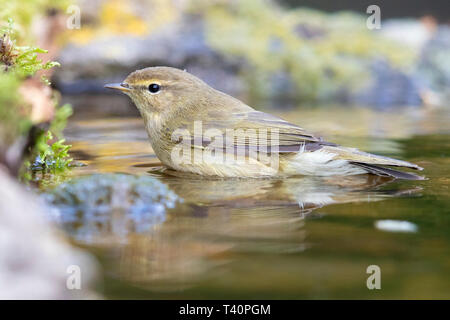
<point>154,88</point>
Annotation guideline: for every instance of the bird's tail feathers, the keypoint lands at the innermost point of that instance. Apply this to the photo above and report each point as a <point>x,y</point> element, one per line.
<point>382,171</point>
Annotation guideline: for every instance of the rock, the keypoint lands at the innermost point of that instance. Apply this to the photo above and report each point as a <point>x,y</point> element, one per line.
<point>389,88</point>
<point>254,54</point>
<point>434,65</point>
<point>103,207</point>
<point>409,32</point>
<point>111,59</point>
<point>36,261</point>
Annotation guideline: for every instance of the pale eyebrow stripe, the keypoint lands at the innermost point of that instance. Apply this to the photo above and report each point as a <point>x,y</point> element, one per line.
<point>163,86</point>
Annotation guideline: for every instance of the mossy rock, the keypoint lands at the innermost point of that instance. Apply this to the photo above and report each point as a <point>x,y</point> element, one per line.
<point>94,206</point>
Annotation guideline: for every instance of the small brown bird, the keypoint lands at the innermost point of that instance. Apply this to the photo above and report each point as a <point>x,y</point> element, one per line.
<point>195,128</point>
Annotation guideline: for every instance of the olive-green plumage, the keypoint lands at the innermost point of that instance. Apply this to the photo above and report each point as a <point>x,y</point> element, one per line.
<point>170,99</point>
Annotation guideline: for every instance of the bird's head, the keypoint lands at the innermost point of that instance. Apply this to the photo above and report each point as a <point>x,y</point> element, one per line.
<point>159,90</point>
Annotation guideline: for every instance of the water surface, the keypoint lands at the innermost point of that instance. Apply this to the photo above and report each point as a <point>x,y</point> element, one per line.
<point>301,237</point>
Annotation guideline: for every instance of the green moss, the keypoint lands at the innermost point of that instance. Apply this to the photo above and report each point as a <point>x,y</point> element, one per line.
<point>19,63</point>
<point>51,154</point>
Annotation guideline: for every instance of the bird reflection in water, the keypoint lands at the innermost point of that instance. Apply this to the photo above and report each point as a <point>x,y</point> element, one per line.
<point>217,220</point>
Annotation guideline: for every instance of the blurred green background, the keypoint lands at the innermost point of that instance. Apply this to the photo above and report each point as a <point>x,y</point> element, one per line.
<point>269,53</point>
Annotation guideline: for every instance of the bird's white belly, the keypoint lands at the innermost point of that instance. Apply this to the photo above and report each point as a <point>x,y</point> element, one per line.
<point>319,163</point>
<point>247,167</point>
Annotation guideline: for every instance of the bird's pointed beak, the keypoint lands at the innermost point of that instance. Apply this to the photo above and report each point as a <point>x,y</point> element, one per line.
<point>118,86</point>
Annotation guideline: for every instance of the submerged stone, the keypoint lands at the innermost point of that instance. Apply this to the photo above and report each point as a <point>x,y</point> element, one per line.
<point>94,207</point>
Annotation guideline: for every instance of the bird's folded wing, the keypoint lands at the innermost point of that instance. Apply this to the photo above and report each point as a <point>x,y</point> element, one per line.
<point>253,130</point>
<point>263,132</point>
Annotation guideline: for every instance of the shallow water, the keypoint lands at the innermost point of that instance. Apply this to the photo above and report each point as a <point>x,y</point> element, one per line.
<point>301,237</point>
